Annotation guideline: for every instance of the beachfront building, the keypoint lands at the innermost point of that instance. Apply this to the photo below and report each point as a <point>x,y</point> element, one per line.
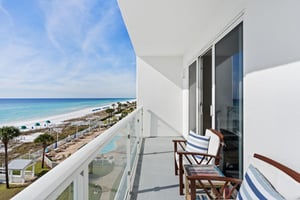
<point>229,65</point>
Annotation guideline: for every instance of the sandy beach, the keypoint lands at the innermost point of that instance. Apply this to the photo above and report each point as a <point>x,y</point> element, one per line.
<point>56,119</point>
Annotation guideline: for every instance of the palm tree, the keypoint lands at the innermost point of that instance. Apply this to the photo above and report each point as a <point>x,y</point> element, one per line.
<point>110,112</point>
<point>45,139</point>
<point>119,107</point>
<point>7,133</point>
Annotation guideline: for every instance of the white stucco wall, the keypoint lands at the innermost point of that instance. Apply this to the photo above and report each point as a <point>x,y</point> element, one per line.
<point>271,66</point>
<point>272,81</point>
<point>159,91</point>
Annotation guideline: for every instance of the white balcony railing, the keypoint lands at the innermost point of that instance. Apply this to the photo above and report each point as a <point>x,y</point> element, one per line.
<point>102,169</point>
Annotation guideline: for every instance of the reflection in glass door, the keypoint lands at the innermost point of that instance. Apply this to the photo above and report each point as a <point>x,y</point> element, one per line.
<point>229,98</point>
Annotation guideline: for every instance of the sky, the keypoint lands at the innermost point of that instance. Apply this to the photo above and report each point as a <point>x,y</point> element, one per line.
<point>64,48</point>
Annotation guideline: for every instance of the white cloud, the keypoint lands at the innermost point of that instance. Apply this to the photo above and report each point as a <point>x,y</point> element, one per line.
<point>77,56</point>
<point>65,22</point>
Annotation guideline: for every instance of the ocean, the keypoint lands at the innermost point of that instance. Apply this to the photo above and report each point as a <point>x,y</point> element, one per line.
<point>18,109</point>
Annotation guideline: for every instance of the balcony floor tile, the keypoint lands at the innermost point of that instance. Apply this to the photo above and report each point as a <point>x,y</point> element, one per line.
<point>155,178</point>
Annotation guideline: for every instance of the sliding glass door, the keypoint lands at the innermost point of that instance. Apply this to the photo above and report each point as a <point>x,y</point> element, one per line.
<point>216,96</point>
<point>200,93</point>
<point>229,98</point>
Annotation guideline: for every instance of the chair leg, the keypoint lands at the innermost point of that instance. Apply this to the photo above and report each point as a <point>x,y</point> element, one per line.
<point>180,170</point>
<point>181,185</point>
<point>176,167</point>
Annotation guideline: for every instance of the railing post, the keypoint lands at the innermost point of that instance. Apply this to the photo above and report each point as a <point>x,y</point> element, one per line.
<point>80,187</point>
<point>128,158</point>
<point>141,132</point>
<point>86,182</point>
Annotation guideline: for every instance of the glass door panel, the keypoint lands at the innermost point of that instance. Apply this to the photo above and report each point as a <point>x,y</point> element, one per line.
<point>205,91</point>
<point>229,98</point>
<point>193,97</point>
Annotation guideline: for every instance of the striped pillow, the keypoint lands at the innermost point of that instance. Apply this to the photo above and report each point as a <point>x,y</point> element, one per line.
<point>197,143</point>
<point>256,186</point>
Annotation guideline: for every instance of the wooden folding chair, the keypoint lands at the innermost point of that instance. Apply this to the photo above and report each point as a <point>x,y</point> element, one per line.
<point>183,156</point>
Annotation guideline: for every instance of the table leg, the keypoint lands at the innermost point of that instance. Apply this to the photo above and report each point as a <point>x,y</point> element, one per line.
<point>187,192</point>
<point>193,189</point>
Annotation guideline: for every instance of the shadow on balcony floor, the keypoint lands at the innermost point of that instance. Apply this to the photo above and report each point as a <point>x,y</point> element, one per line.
<point>155,177</point>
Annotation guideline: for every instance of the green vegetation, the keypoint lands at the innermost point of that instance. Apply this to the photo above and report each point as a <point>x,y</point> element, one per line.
<point>39,171</point>
<point>7,133</point>
<point>44,139</point>
<point>12,191</point>
<point>71,130</point>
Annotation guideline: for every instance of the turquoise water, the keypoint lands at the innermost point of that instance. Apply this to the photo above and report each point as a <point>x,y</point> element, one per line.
<point>13,110</point>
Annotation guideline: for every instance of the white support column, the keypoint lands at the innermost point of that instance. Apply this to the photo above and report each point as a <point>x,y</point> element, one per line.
<point>213,100</point>
<point>81,185</point>
<point>86,183</point>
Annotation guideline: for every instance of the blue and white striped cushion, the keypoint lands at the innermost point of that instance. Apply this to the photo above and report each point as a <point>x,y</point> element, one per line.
<point>197,143</point>
<point>256,186</point>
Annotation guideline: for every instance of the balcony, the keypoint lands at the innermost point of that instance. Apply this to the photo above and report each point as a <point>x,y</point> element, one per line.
<point>118,164</point>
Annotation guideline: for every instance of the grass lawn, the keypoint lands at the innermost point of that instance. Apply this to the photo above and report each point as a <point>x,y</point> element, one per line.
<point>12,191</point>
<point>39,171</point>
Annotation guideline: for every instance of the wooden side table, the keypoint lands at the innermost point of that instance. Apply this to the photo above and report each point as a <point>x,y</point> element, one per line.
<point>201,174</point>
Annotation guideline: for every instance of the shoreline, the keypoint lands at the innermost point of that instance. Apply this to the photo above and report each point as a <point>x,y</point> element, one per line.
<point>58,119</point>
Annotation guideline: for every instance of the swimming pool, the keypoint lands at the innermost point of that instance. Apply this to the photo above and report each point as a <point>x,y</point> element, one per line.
<point>111,146</point>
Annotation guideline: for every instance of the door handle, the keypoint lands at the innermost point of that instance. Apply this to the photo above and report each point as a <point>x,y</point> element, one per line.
<point>211,110</point>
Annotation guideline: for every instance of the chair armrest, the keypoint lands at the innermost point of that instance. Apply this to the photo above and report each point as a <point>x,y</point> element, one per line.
<point>179,140</point>
<point>179,143</point>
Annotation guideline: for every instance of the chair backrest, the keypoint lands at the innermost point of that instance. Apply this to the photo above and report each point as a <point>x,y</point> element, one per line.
<point>284,180</point>
<point>215,142</point>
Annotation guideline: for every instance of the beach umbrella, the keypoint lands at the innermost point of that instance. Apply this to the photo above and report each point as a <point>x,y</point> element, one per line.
<point>37,124</point>
<point>23,127</point>
<point>47,122</point>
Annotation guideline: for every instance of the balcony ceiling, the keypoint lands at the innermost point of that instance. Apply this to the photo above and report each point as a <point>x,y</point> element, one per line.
<point>171,27</point>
